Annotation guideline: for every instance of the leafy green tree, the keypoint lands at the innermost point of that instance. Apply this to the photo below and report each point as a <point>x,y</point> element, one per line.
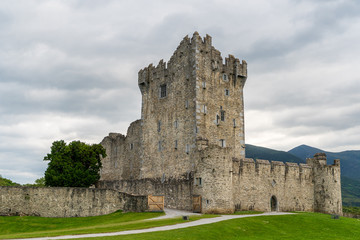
<point>74,165</point>
<point>7,182</point>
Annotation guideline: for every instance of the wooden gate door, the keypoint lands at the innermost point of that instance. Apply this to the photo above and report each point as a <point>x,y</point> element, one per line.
<point>156,203</point>
<point>197,204</point>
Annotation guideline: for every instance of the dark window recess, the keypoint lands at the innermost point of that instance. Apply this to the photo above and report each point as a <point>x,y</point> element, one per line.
<point>222,143</point>
<point>163,91</point>
<point>176,144</point>
<point>222,115</point>
<point>159,126</point>
<point>227,92</point>
<point>131,146</point>
<point>198,181</point>
<point>217,119</point>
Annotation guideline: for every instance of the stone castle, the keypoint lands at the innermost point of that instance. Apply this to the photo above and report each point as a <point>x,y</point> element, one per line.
<point>189,144</point>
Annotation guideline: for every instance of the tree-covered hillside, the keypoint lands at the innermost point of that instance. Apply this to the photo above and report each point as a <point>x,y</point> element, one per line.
<point>7,182</point>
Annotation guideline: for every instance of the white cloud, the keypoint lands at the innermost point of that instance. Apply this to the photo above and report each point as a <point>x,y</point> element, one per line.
<point>68,70</point>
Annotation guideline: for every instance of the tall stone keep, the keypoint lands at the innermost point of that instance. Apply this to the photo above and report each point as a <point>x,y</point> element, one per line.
<point>189,144</point>
<point>194,97</point>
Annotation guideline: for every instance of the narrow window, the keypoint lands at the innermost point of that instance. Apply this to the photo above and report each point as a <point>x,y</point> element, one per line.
<point>176,124</point>
<point>222,143</point>
<point>203,84</point>
<point>217,119</point>
<point>159,143</point>
<point>131,146</point>
<point>187,104</point>
<point>187,148</point>
<point>176,144</point>
<point>225,77</point>
<point>222,113</point>
<point>159,126</point>
<point>234,122</point>
<point>163,91</point>
<point>227,93</point>
<point>198,181</point>
<point>204,109</point>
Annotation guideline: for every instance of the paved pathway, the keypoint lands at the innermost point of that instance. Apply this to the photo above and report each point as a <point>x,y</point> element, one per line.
<point>163,228</point>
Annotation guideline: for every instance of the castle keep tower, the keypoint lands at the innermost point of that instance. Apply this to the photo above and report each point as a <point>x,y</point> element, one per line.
<point>189,144</point>
<point>193,98</point>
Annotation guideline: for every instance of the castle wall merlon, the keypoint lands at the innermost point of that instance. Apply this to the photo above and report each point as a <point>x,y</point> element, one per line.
<point>303,166</point>
<point>262,161</point>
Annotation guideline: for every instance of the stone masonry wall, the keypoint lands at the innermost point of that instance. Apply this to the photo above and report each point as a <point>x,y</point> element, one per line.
<point>219,97</point>
<point>177,191</point>
<point>123,160</point>
<point>255,183</point>
<point>66,202</point>
<point>168,121</point>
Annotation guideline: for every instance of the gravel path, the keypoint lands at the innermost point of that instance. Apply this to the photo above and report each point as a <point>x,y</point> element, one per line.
<point>163,228</point>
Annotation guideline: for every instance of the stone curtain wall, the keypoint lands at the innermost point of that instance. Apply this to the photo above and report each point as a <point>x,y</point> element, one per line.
<point>255,183</point>
<point>177,191</point>
<point>66,202</point>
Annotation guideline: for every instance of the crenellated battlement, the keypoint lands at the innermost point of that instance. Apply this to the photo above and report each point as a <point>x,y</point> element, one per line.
<point>288,169</point>
<point>187,56</point>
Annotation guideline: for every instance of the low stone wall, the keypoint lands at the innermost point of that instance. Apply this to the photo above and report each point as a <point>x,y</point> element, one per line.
<point>66,202</point>
<point>177,192</point>
<point>351,215</point>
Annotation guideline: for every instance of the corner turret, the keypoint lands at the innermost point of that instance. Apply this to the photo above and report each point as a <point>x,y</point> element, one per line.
<point>327,184</point>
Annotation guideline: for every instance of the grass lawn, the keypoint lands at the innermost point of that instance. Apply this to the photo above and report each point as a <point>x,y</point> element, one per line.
<point>297,226</point>
<point>22,227</point>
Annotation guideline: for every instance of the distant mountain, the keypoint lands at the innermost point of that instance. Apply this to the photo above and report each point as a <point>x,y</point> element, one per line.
<point>349,160</point>
<point>257,152</point>
<point>350,166</point>
<point>350,190</point>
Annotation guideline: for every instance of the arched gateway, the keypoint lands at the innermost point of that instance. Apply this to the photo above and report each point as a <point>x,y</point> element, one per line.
<point>273,204</point>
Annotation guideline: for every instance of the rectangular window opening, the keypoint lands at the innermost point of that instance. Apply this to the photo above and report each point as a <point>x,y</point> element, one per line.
<point>159,126</point>
<point>159,146</point>
<point>176,144</point>
<point>176,124</point>
<point>222,115</point>
<point>163,91</point>
<point>222,143</point>
<point>203,84</point>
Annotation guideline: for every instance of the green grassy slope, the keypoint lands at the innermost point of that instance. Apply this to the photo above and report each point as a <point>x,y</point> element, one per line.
<point>26,227</point>
<point>295,227</point>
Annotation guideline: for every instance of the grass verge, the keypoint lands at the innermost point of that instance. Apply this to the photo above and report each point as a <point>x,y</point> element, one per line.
<point>27,227</point>
<point>295,227</point>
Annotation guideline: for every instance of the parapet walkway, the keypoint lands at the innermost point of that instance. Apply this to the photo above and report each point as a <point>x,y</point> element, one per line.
<point>173,213</point>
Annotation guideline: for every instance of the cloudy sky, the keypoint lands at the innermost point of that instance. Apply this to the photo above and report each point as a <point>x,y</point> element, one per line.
<point>68,69</point>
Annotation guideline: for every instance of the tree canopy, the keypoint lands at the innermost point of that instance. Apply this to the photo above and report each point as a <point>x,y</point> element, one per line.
<point>74,165</point>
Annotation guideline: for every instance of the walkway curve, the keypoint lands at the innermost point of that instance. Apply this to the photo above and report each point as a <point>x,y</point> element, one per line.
<point>199,222</point>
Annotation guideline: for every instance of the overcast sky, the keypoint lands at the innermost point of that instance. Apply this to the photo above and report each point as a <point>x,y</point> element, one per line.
<point>68,69</point>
